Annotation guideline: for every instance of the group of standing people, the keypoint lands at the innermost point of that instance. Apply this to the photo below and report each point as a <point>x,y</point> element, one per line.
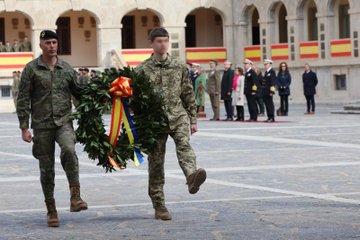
<point>257,88</point>
<point>24,46</point>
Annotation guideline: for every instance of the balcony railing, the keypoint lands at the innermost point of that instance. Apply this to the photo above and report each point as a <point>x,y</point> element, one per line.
<point>309,50</point>
<point>280,52</point>
<point>341,48</point>
<point>205,54</point>
<point>14,60</point>
<point>134,57</point>
<point>253,53</point>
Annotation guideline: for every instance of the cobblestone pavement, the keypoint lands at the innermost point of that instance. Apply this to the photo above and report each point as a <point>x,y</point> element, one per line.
<point>297,178</point>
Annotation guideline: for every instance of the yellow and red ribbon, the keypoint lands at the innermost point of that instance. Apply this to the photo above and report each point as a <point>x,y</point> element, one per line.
<point>120,89</point>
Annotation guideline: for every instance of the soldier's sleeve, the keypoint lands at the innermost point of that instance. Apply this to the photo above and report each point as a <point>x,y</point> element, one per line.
<point>75,86</point>
<point>187,96</point>
<point>23,104</point>
<point>230,80</point>
<point>254,82</point>
<point>272,82</point>
<point>218,81</point>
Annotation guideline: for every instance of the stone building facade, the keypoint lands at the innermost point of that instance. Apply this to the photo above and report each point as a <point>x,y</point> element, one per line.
<point>323,33</point>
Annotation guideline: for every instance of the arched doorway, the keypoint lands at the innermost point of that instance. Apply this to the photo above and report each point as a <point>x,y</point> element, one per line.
<point>255,27</point>
<point>312,23</point>
<point>204,28</point>
<point>14,27</point>
<point>308,21</point>
<point>282,23</point>
<point>78,38</point>
<point>136,27</point>
<point>340,9</point>
<point>278,14</point>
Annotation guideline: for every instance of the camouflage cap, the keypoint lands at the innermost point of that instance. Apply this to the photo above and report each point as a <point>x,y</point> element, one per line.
<point>48,34</point>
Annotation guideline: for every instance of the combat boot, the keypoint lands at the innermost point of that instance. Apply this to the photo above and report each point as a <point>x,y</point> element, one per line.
<point>195,180</point>
<point>162,213</point>
<point>52,217</point>
<point>76,203</point>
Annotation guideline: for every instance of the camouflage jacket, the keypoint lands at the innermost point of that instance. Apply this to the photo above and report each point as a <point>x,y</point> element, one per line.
<point>171,77</point>
<point>46,94</point>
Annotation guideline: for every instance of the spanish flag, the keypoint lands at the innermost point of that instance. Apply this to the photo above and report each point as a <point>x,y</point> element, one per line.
<point>341,48</point>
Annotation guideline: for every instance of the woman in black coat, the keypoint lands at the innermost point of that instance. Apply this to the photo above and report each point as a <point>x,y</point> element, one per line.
<point>310,81</point>
<point>283,82</point>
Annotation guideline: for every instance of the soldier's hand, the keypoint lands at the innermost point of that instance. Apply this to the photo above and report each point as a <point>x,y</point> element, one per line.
<point>26,135</point>
<point>194,128</point>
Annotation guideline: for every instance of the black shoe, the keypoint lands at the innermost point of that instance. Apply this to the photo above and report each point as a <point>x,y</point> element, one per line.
<point>270,120</point>
<point>229,119</point>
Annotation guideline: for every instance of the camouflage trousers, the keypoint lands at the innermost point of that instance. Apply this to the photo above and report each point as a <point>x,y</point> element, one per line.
<point>44,150</point>
<point>185,155</point>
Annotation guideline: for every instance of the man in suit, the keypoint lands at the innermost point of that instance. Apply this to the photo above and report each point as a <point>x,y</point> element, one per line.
<point>226,89</point>
<point>310,81</point>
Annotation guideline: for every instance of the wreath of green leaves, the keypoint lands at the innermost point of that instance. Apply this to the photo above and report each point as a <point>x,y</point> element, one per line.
<point>148,116</point>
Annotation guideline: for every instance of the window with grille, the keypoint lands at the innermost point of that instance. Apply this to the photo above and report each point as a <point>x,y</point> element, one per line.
<point>5,91</point>
<point>340,82</point>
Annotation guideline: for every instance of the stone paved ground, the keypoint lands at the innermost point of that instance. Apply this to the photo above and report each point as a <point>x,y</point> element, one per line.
<point>297,178</point>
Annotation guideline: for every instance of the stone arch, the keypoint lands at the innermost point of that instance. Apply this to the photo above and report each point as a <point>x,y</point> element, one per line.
<point>250,17</point>
<point>136,25</point>
<point>204,28</point>
<point>15,26</point>
<point>306,12</point>
<point>78,40</point>
<point>277,13</point>
<point>339,9</point>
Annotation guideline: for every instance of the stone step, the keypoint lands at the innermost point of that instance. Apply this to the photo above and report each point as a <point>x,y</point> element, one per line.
<point>355,107</point>
<point>346,112</point>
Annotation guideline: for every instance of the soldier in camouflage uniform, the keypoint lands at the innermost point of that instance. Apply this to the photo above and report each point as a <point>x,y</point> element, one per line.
<point>45,91</point>
<point>172,77</point>
<point>15,86</point>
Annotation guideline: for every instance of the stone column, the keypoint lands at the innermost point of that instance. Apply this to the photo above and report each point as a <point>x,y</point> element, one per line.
<point>109,38</point>
<point>295,35</point>
<point>267,37</point>
<point>242,40</point>
<point>326,34</point>
<point>229,42</point>
<point>177,40</point>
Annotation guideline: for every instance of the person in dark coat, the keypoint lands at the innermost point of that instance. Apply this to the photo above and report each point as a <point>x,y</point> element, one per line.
<point>268,89</point>
<point>283,81</point>
<point>250,89</point>
<point>259,95</point>
<point>226,90</point>
<point>310,81</point>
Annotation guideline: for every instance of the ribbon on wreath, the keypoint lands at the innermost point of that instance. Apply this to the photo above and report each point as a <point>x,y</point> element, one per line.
<point>120,89</point>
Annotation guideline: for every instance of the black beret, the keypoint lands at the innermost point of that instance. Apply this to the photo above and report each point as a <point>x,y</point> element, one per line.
<point>48,34</point>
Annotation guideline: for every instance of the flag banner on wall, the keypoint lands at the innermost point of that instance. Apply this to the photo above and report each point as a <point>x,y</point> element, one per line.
<point>309,50</point>
<point>253,53</point>
<point>280,52</point>
<point>341,48</point>
<point>14,60</point>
